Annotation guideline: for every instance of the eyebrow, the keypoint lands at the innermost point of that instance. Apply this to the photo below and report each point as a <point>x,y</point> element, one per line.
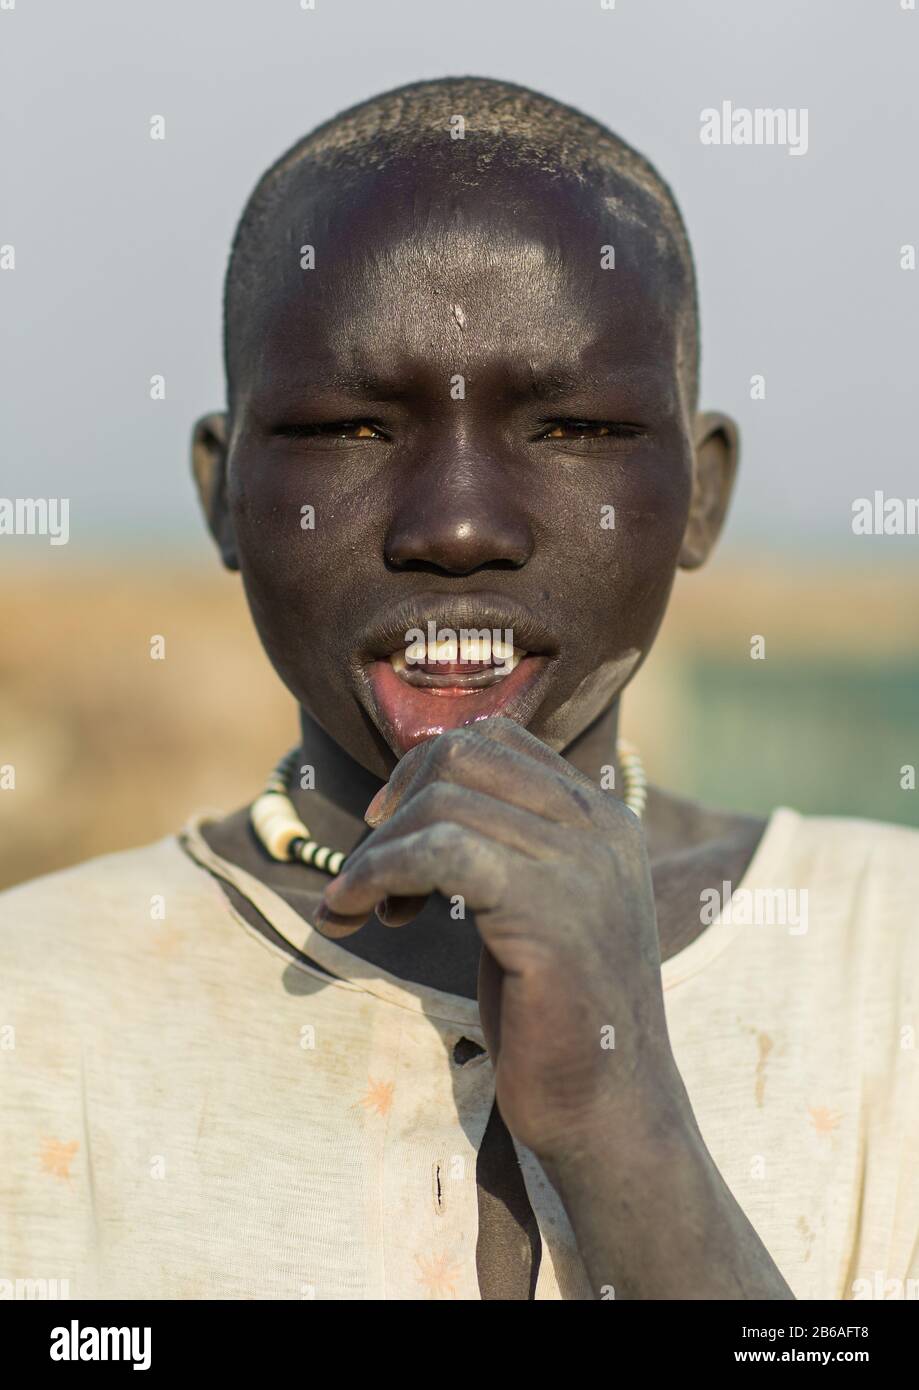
<point>358,382</point>
<point>539,385</point>
<point>525,383</point>
<point>549,386</point>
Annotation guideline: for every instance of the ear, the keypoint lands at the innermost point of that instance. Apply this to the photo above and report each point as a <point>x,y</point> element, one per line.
<point>209,465</point>
<point>717,445</point>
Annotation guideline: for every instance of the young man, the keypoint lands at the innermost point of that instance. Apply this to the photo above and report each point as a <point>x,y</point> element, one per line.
<point>462,379</point>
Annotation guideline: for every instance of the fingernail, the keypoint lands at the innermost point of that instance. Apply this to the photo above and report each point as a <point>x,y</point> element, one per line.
<point>372,814</point>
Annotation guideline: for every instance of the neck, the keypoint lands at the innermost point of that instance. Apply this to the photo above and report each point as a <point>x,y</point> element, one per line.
<point>343,789</point>
<point>595,748</point>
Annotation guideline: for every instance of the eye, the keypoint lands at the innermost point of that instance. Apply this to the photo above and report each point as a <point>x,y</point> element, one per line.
<point>359,430</point>
<point>590,429</point>
<point>335,429</point>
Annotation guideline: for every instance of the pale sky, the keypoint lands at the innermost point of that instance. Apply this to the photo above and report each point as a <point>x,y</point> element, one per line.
<point>121,241</point>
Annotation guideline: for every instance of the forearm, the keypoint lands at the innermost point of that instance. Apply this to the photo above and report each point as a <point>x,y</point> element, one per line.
<point>654,1219</point>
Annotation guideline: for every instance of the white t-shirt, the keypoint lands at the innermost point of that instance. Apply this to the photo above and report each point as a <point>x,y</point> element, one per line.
<point>189,1112</point>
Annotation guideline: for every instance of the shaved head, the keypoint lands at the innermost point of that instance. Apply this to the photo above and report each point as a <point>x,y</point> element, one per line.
<point>461,336</point>
<point>504,128</point>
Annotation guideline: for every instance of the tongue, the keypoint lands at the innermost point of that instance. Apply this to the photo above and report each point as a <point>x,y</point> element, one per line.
<point>413,714</point>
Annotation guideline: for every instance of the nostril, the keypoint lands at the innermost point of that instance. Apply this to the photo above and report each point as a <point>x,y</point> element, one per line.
<point>458,536</point>
<point>465,1050</point>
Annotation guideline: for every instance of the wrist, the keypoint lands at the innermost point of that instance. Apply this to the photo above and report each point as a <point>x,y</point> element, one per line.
<point>636,1136</point>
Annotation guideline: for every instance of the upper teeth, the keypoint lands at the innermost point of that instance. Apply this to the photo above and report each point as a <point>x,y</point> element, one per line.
<point>420,652</point>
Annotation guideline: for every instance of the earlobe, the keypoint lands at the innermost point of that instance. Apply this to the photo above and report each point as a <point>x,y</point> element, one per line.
<point>715,467</point>
<point>209,465</point>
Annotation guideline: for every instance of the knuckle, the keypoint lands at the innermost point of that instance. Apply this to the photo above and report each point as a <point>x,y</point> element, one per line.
<point>444,838</point>
<point>435,799</point>
<point>502,724</point>
<point>368,865</point>
<point>449,848</point>
<point>450,748</point>
<point>583,802</point>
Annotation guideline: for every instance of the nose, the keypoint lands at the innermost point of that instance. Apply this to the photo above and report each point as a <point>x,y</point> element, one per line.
<point>457,518</point>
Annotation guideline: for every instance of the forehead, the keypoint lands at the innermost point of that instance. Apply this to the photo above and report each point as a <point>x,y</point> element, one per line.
<point>443,264</point>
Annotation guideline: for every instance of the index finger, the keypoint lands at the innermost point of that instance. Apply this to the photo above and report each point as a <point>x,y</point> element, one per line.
<point>412,768</point>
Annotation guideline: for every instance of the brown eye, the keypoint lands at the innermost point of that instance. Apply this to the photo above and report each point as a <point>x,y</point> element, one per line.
<point>338,429</point>
<point>591,429</point>
<point>566,429</point>
<point>351,429</point>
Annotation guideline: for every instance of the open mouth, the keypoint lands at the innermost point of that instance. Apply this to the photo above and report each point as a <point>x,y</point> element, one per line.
<point>438,690</point>
<point>431,664</point>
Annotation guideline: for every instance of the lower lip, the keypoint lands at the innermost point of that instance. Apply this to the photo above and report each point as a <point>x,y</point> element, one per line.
<point>410,714</point>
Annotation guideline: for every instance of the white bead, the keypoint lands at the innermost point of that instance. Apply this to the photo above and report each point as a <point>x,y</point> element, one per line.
<point>634,791</point>
<point>275,823</point>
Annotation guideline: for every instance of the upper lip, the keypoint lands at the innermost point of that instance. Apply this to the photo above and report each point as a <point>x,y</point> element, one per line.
<point>387,631</point>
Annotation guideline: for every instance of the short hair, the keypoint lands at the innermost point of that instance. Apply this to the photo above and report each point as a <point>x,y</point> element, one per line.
<point>531,129</point>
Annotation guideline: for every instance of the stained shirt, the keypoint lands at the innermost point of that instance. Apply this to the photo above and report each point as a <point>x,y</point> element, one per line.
<point>189,1110</point>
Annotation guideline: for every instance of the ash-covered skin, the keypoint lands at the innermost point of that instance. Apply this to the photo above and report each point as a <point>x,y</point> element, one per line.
<point>455,496</point>
<point>579,396</point>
